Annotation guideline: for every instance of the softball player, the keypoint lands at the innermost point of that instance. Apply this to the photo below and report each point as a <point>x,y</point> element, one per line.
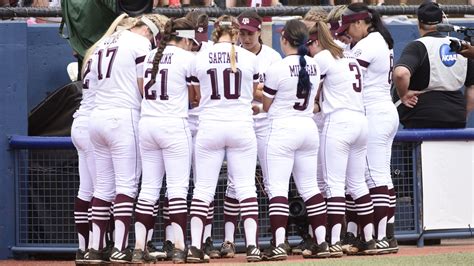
<point>165,138</point>
<point>113,129</point>
<point>250,39</point>
<point>293,141</point>
<point>344,134</point>
<point>374,52</point>
<point>201,21</point>
<point>225,77</point>
<point>85,151</point>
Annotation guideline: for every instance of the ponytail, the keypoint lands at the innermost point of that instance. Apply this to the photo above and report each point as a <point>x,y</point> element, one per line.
<point>326,41</point>
<point>226,24</point>
<point>304,84</point>
<point>377,25</point>
<point>165,38</point>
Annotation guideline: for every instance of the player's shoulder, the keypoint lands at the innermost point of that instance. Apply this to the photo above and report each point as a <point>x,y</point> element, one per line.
<point>269,53</point>
<point>244,52</point>
<point>323,55</point>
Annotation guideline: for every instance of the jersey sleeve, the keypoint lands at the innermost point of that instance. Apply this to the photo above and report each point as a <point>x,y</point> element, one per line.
<point>324,60</point>
<point>256,75</point>
<point>193,71</point>
<point>270,87</point>
<point>364,55</point>
<point>412,56</point>
<point>189,65</point>
<point>140,52</point>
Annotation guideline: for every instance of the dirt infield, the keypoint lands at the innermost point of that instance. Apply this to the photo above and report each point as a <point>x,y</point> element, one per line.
<point>446,247</point>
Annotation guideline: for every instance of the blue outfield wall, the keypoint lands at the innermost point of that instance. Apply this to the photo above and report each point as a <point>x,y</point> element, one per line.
<point>13,120</point>
<point>33,62</point>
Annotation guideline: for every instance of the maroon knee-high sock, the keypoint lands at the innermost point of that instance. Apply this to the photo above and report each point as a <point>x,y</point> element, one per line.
<point>100,217</point>
<point>380,199</point>
<point>278,211</point>
<point>336,211</point>
<point>351,215</point>
<point>82,224</point>
<point>144,222</point>
<point>249,208</point>
<point>199,210</point>
<point>365,215</point>
<point>178,215</point>
<point>123,210</point>
<point>231,215</point>
<point>317,215</point>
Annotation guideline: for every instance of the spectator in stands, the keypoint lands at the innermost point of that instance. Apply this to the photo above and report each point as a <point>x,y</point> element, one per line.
<point>428,77</point>
<point>372,2</point>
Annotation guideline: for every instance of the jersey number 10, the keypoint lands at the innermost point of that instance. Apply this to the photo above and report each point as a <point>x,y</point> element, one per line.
<point>227,85</point>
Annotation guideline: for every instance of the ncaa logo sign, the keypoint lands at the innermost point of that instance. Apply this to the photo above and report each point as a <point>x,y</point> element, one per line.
<point>447,56</point>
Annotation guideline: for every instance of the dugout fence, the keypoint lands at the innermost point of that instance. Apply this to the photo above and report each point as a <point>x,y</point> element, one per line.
<point>46,183</point>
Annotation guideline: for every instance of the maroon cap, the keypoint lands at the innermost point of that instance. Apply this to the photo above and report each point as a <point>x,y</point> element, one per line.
<point>201,34</point>
<point>250,24</point>
<point>349,18</point>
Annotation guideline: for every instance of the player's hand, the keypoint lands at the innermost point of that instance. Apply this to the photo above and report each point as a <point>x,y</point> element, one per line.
<point>410,99</point>
<point>255,109</point>
<point>260,86</point>
<point>467,50</point>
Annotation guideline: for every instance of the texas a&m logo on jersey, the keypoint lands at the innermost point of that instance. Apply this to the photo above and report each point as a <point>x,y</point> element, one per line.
<point>447,56</point>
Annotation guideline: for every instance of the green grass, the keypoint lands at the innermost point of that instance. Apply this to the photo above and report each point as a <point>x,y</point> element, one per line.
<point>439,259</point>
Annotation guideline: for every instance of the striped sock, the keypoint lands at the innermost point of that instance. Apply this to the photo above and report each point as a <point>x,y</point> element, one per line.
<point>231,215</point>
<point>178,216</point>
<point>336,211</point>
<point>393,204</point>
<point>111,226</point>
<point>208,226</point>
<point>169,232</point>
<point>380,199</point>
<point>144,222</point>
<point>249,209</point>
<point>198,216</point>
<point>351,216</point>
<point>278,212</point>
<point>317,215</point>
<point>365,214</point>
<point>82,224</point>
<point>89,220</point>
<point>123,210</point>
<point>100,220</point>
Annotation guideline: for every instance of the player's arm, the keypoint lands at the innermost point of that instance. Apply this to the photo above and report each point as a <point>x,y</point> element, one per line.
<point>317,107</point>
<point>140,85</point>
<point>196,95</point>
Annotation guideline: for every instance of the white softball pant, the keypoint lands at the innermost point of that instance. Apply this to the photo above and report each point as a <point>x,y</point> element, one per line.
<point>343,150</point>
<point>114,134</point>
<point>85,152</point>
<point>383,125</point>
<point>234,140</point>
<point>292,146</point>
<point>165,146</point>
